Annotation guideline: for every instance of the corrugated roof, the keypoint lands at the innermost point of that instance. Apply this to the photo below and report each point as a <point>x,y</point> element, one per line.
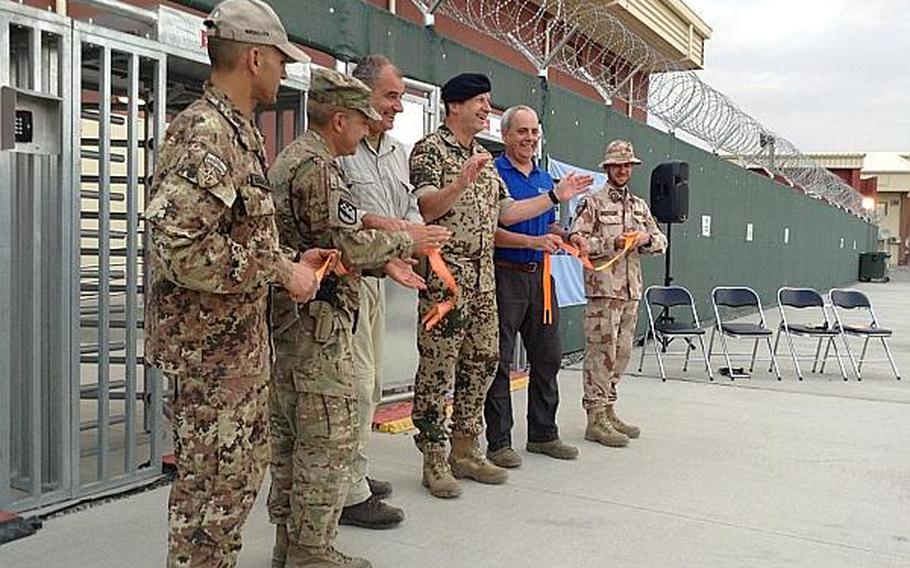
<point>891,162</point>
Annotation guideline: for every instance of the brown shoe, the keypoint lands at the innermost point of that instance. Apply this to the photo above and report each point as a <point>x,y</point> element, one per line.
<point>371,514</point>
<point>468,461</point>
<point>379,489</point>
<point>437,475</point>
<point>504,457</point>
<point>554,448</point>
<point>280,549</point>
<point>312,557</point>
<point>627,429</point>
<point>600,430</point>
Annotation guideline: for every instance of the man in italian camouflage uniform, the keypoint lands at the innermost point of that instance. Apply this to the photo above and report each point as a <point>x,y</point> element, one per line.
<point>604,219</point>
<point>458,187</point>
<point>313,404</point>
<point>213,251</point>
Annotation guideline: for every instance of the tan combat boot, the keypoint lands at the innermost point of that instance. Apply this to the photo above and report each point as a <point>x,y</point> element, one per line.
<point>627,429</point>
<point>468,461</point>
<point>280,550</point>
<point>600,430</point>
<point>316,557</point>
<point>437,475</point>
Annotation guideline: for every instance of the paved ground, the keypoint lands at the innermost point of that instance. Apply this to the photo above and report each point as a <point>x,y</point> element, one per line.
<point>757,473</point>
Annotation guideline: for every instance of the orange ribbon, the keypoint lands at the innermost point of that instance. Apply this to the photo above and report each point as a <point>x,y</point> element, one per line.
<point>435,314</point>
<point>340,270</point>
<point>547,290</point>
<point>573,250</point>
<point>629,243</point>
<point>548,282</point>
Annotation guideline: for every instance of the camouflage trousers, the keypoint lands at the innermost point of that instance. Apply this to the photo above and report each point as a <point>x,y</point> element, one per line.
<point>460,353</point>
<point>609,330</point>
<point>314,438</point>
<point>221,444</point>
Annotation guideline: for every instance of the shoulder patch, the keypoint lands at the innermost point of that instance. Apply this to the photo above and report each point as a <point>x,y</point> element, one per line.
<point>207,173</point>
<point>347,212</point>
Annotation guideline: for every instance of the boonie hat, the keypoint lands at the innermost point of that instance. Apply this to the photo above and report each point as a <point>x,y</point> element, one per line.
<point>619,152</point>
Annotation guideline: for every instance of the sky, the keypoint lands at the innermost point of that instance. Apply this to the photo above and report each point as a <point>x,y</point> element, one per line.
<point>825,74</point>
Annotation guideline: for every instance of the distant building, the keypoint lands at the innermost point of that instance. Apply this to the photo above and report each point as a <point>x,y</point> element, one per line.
<point>884,176</point>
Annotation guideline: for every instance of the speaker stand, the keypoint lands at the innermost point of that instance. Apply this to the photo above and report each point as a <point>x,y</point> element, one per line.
<point>665,317</point>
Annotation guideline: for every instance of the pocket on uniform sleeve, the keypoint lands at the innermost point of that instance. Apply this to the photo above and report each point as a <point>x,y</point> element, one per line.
<point>257,198</point>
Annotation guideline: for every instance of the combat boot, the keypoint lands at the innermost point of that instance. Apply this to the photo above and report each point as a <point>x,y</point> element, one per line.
<point>627,429</point>
<point>371,514</point>
<point>600,430</point>
<point>468,461</point>
<point>280,550</point>
<point>554,448</point>
<point>437,475</point>
<point>317,557</point>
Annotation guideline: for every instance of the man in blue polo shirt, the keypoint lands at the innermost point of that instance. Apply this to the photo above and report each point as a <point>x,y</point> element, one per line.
<point>520,298</point>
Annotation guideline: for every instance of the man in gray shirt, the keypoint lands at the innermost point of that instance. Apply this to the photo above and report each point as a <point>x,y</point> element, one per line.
<point>378,173</point>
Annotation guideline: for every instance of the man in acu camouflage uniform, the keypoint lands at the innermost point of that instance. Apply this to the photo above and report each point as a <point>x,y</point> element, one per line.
<point>213,252</point>
<point>603,219</point>
<point>313,404</point>
<point>458,187</point>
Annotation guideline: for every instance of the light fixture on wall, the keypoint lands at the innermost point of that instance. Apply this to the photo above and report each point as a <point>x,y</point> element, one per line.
<point>868,203</point>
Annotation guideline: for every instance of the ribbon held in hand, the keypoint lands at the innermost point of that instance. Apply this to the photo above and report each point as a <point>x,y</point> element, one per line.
<point>435,314</point>
<point>573,250</point>
<point>548,283</point>
<point>630,239</point>
<point>339,270</point>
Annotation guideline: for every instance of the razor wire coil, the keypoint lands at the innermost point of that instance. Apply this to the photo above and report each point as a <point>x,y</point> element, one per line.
<point>584,40</point>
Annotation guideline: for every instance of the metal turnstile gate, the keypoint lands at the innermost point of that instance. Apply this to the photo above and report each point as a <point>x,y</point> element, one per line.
<point>82,107</point>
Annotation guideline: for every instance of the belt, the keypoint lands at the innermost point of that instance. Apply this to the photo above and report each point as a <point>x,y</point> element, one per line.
<point>529,267</point>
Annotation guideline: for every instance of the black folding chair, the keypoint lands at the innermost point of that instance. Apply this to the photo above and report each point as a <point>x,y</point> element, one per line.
<point>806,299</point>
<point>735,297</point>
<point>665,329</point>
<point>844,299</point>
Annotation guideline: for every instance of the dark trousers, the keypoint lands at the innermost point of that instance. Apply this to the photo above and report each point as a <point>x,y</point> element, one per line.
<point>519,296</point>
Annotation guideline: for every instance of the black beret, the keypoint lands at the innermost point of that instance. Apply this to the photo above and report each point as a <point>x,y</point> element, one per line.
<point>463,87</point>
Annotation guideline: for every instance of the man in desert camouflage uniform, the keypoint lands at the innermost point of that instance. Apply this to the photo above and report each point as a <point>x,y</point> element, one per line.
<point>458,187</point>
<point>604,218</point>
<point>313,404</point>
<point>213,252</point>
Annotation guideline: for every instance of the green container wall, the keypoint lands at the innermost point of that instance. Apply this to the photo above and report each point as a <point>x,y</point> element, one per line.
<point>577,130</point>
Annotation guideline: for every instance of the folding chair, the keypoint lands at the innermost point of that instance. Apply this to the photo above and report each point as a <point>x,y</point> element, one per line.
<point>740,297</point>
<point>799,299</point>
<point>844,299</point>
<point>664,329</point>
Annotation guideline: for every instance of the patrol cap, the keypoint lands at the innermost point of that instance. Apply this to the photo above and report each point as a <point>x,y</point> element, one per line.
<point>333,88</point>
<point>251,21</point>
<point>619,152</point>
<point>465,86</point>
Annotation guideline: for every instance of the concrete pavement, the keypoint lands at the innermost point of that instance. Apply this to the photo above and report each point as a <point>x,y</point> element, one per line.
<point>754,473</point>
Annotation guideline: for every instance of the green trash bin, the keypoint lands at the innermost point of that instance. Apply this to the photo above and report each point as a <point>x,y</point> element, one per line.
<point>873,266</point>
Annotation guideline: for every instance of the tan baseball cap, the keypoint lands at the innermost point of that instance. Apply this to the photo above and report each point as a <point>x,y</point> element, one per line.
<point>252,21</point>
<point>334,88</point>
